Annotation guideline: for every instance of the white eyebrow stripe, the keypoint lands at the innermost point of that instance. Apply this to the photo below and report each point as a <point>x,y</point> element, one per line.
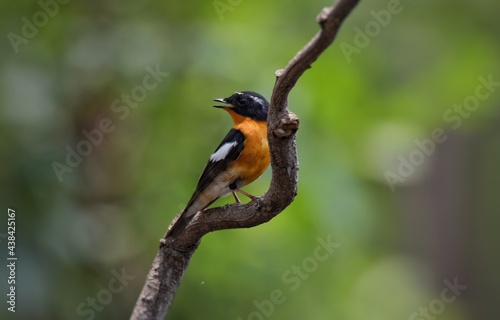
<point>258,100</point>
<point>222,152</point>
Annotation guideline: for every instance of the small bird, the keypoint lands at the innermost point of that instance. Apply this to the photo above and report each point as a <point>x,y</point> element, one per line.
<point>241,158</point>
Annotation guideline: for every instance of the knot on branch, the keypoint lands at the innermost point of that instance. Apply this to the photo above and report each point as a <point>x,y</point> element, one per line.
<point>286,126</point>
<point>323,16</point>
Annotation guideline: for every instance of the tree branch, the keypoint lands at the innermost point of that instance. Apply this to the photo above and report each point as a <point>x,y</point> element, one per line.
<point>175,253</point>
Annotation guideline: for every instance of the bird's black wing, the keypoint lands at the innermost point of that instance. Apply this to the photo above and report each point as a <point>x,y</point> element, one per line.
<point>226,153</point>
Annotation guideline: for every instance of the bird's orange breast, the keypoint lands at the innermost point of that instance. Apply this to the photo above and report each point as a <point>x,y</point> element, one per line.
<point>255,157</point>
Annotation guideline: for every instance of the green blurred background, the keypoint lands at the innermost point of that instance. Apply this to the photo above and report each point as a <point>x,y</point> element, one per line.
<point>360,113</point>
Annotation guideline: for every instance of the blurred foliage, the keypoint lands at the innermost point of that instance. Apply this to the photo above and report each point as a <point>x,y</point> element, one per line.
<point>358,114</point>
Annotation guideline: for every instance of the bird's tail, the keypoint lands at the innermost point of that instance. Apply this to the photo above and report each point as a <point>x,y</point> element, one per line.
<point>180,224</point>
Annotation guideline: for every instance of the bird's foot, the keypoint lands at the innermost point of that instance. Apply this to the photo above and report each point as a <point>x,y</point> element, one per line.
<point>236,198</point>
<point>246,194</point>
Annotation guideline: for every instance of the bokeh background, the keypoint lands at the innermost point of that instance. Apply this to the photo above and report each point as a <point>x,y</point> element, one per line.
<point>360,112</point>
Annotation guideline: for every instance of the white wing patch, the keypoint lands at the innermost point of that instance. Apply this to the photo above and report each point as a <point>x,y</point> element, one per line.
<point>222,152</point>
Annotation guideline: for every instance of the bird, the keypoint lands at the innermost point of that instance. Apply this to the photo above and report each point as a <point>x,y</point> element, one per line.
<point>241,157</point>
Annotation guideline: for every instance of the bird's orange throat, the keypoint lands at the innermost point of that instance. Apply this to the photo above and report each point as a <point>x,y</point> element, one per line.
<point>250,127</point>
<point>237,118</point>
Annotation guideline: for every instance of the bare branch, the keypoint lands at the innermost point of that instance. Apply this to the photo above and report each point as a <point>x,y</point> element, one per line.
<point>175,253</point>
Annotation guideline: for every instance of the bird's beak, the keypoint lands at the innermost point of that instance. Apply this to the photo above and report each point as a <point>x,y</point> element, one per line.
<point>223,100</point>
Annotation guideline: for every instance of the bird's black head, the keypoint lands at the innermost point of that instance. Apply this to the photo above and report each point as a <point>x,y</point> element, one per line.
<point>248,104</point>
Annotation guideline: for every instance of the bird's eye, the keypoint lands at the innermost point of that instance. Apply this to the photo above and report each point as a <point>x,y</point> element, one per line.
<point>242,102</point>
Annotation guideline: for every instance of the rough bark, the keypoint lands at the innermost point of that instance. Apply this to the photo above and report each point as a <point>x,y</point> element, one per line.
<point>175,253</point>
